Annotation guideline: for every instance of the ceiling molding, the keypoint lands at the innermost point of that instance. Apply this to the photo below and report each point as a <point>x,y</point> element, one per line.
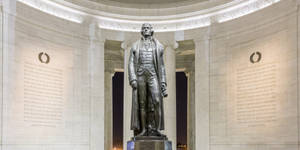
<point>162,23</point>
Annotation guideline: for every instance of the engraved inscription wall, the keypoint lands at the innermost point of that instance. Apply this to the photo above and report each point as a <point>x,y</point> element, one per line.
<point>254,91</point>
<point>43,95</point>
<point>256,99</point>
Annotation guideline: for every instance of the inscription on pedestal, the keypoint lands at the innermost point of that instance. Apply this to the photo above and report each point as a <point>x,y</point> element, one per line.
<point>43,95</point>
<point>256,100</point>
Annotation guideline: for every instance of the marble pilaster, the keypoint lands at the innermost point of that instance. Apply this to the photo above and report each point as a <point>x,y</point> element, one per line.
<point>202,94</point>
<point>97,103</point>
<point>191,110</point>
<point>127,133</point>
<point>170,101</point>
<point>8,65</point>
<point>108,111</point>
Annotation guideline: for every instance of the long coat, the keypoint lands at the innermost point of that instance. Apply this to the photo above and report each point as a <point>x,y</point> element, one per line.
<point>132,69</point>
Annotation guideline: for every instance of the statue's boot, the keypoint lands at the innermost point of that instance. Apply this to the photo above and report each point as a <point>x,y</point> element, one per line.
<point>158,122</point>
<point>157,133</point>
<point>143,124</point>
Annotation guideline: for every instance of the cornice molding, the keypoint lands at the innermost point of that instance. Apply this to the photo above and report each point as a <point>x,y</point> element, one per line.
<point>161,23</point>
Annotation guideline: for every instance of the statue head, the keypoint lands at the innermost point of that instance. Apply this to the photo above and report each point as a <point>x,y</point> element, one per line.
<point>147,30</point>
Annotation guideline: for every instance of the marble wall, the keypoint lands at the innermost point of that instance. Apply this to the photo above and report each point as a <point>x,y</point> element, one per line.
<point>64,103</point>
<point>243,104</point>
<point>253,105</point>
<point>53,96</point>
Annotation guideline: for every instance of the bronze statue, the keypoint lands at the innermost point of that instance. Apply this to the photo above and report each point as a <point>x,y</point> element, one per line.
<point>147,78</point>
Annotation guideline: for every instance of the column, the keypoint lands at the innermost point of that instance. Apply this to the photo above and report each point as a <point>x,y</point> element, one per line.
<point>8,66</point>
<point>202,94</point>
<point>191,110</point>
<point>108,109</point>
<point>127,133</point>
<point>96,72</point>
<point>170,101</point>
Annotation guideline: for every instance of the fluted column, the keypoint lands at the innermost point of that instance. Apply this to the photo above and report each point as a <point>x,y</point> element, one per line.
<point>170,101</point>
<point>96,72</point>
<point>190,74</point>
<point>127,133</point>
<point>108,110</point>
<point>191,110</point>
<point>202,94</point>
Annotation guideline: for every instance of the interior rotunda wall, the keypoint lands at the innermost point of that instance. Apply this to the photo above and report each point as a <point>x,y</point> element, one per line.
<point>61,104</point>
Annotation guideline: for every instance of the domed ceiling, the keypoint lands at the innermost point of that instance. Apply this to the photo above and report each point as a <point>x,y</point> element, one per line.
<point>165,15</point>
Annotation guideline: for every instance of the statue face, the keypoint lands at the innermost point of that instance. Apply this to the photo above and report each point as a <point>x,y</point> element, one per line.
<point>146,30</point>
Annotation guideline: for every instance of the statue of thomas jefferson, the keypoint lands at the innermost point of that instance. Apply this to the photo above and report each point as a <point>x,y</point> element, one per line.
<point>147,78</point>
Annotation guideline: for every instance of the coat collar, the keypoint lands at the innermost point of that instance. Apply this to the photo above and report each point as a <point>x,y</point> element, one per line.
<point>142,38</point>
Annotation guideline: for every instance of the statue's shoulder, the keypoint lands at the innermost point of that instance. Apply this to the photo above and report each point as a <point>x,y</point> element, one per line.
<point>136,44</point>
<point>159,45</point>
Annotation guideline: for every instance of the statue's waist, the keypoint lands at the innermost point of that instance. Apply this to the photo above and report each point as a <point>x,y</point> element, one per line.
<point>146,60</point>
<point>146,65</point>
<point>146,68</point>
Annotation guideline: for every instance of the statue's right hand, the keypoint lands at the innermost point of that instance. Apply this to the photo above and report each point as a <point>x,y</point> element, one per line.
<point>134,84</point>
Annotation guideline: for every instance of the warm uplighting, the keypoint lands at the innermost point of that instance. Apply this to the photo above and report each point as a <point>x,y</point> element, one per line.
<point>55,9</point>
<point>243,9</point>
<point>178,22</point>
<point>115,148</point>
<point>181,147</point>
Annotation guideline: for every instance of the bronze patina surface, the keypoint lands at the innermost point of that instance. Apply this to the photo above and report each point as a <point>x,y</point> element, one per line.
<point>147,78</point>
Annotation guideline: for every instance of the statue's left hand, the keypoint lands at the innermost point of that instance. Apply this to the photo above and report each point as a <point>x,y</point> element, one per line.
<point>164,85</point>
<point>164,89</point>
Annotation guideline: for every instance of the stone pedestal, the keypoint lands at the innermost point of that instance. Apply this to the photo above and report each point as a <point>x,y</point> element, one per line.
<point>149,144</point>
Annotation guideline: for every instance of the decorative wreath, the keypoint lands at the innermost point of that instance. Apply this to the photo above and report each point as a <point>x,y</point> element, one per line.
<point>47,58</point>
<point>258,58</point>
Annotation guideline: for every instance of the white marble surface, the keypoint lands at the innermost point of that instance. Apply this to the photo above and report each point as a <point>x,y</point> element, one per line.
<point>81,124</point>
<point>78,49</point>
<point>170,101</point>
<point>231,45</point>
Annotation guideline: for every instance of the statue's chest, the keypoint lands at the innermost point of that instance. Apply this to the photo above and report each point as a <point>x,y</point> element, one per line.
<point>146,55</point>
<point>146,51</point>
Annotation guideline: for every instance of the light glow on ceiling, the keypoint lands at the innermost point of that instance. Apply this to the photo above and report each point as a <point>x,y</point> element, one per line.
<point>55,10</point>
<point>159,26</point>
<point>169,24</point>
<point>244,9</point>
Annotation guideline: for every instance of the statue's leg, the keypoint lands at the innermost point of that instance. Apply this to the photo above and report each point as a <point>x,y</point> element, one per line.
<point>150,112</point>
<point>142,96</point>
<point>156,97</point>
